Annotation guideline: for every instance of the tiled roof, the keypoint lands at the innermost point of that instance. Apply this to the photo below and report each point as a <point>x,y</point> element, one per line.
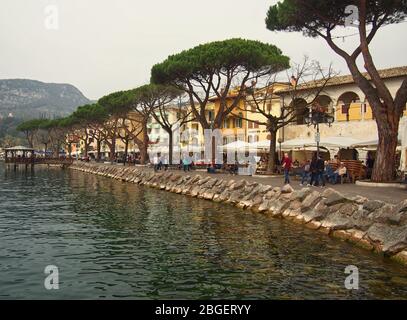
<point>340,80</point>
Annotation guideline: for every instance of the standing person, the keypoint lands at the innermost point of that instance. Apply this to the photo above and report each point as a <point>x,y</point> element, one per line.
<point>306,169</point>
<point>155,162</point>
<point>320,172</point>
<point>369,165</point>
<point>160,163</point>
<point>287,165</point>
<point>186,163</point>
<point>165,162</point>
<point>313,170</point>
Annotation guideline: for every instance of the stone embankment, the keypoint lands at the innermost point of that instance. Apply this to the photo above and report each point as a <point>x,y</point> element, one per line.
<point>371,224</point>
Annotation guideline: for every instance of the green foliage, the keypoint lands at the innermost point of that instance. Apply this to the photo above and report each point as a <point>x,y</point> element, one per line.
<point>87,114</point>
<point>313,16</point>
<point>32,125</point>
<point>118,103</point>
<point>151,93</point>
<point>220,57</point>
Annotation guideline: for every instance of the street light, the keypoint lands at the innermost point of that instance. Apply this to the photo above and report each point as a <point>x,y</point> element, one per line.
<point>280,141</point>
<point>315,117</point>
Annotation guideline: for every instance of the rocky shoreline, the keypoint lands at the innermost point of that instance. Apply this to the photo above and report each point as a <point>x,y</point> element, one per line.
<point>371,224</point>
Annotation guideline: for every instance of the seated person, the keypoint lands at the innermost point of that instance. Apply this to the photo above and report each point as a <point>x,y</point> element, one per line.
<point>211,169</point>
<point>339,173</point>
<point>329,172</point>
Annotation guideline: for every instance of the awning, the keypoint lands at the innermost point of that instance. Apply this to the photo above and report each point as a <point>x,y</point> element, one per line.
<point>370,142</point>
<point>238,146</point>
<point>328,142</point>
<point>265,144</point>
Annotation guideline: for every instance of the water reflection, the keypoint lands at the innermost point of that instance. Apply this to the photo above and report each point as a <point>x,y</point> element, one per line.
<point>118,240</point>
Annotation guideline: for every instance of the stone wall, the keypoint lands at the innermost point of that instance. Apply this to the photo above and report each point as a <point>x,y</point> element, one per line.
<point>371,224</point>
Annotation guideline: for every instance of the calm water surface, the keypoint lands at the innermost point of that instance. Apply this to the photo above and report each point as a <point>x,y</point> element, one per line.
<point>116,240</point>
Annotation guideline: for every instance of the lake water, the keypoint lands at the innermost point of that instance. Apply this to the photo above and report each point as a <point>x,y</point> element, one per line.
<point>117,240</point>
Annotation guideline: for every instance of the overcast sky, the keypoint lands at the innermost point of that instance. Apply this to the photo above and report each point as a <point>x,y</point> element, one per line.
<point>102,46</point>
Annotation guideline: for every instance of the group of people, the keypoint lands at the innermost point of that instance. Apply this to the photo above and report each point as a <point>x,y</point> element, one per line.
<point>162,162</point>
<point>315,172</point>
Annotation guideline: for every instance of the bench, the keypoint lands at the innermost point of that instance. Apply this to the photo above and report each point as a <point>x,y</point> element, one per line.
<point>355,169</point>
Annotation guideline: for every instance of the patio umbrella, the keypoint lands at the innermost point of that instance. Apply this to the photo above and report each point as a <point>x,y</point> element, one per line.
<point>265,144</point>
<point>372,141</point>
<point>238,146</point>
<point>297,143</point>
<point>339,142</point>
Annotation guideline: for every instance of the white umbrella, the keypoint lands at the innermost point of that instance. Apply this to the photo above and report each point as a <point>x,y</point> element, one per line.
<point>237,145</point>
<point>192,148</point>
<point>339,142</point>
<point>265,144</point>
<point>297,143</point>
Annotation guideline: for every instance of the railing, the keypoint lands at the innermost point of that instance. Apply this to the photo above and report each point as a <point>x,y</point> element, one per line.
<point>27,161</point>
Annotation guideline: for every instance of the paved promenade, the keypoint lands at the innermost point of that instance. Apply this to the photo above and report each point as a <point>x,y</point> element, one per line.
<point>390,195</point>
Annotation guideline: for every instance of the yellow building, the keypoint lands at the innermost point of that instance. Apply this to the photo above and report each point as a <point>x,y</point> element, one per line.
<point>270,104</point>
<point>234,126</point>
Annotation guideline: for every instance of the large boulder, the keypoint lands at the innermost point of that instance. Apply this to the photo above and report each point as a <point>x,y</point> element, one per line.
<point>237,185</point>
<point>335,198</point>
<point>287,189</point>
<point>373,205</point>
<point>390,239</point>
<point>310,201</point>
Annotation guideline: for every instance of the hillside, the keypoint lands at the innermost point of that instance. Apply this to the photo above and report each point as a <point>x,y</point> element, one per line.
<point>30,98</point>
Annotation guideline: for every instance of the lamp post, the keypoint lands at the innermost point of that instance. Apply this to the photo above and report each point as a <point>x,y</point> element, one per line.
<point>315,117</point>
<point>280,141</point>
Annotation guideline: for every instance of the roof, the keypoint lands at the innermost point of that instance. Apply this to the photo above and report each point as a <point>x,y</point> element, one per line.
<point>348,79</point>
<point>19,148</point>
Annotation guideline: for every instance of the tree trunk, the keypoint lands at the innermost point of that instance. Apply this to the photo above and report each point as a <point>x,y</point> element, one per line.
<point>126,149</point>
<point>112,150</point>
<point>385,162</point>
<point>271,165</point>
<point>30,139</point>
<point>144,149</point>
<point>86,144</point>
<point>98,147</point>
<point>143,154</point>
<point>170,147</point>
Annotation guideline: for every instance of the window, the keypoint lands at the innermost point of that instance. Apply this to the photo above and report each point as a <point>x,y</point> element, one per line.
<point>345,110</point>
<point>210,115</point>
<point>239,121</point>
<point>250,125</point>
<point>256,125</point>
<point>225,123</point>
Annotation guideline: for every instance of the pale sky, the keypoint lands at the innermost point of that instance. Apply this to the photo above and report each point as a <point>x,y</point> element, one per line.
<point>102,46</point>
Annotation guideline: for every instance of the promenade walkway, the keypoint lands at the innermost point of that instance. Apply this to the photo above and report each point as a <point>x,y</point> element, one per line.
<point>388,194</point>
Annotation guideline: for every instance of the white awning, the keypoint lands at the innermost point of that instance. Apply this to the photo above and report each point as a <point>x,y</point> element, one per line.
<point>237,146</point>
<point>265,144</point>
<point>370,142</point>
<point>327,142</point>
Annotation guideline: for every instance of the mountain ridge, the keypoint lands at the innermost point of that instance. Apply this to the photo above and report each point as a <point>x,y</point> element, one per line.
<point>29,98</point>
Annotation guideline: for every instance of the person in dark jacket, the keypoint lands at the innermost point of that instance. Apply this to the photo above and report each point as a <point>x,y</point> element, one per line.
<point>313,169</point>
<point>320,172</point>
